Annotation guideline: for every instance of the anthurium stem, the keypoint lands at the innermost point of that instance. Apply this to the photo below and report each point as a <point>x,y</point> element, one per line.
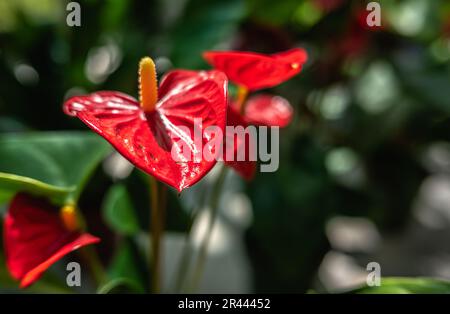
<point>185,260</point>
<point>213,207</point>
<point>73,217</point>
<point>157,213</point>
<point>89,254</point>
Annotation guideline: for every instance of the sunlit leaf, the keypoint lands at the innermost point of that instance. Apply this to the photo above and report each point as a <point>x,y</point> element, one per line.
<point>128,267</point>
<point>53,164</point>
<point>204,26</point>
<point>118,211</point>
<point>407,285</point>
<point>118,285</point>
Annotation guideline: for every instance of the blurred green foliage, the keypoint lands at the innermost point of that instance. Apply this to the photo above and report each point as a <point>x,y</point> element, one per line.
<point>407,286</point>
<point>367,105</point>
<point>40,163</point>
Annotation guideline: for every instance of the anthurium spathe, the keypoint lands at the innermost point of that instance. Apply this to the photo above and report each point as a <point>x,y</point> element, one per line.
<point>256,70</point>
<point>253,71</point>
<point>144,131</point>
<point>269,110</point>
<point>37,234</point>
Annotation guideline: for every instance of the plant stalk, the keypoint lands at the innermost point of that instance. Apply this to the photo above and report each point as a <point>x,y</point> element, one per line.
<point>184,262</point>
<point>157,213</point>
<point>213,207</point>
<point>90,255</point>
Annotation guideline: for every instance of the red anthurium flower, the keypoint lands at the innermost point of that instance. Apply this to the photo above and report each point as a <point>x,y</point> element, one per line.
<point>144,132</point>
<point>253,71</point>
<point>269,110</point>
<point>36,236</point>
<point>234,144</point>
<point>256,71</point>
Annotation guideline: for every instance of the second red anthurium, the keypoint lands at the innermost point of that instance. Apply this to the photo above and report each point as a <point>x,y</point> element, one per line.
<point>253,71</point>
<point>256,70</point>
<point>144,131</point>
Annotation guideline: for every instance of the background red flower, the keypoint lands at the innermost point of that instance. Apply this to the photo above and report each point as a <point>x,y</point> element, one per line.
<point>35,238</point>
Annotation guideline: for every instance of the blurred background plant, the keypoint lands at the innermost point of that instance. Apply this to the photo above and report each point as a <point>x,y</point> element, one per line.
<point>365,166</point>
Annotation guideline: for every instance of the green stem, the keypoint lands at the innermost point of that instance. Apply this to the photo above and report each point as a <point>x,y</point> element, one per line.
<point>184,262</point>
<point>90,255</point>
<point>186,256</point>
<point>157,195</point>
<point>185,259</point>
<point>214,209</point>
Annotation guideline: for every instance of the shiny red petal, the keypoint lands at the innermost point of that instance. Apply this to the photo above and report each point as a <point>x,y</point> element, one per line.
<point>35,238</point>
<point>170,80</point>
<point>292,56</point>
<point>269,110</point>
<point>256,71</point>
<point>187,99</point>
<point>245,168</point>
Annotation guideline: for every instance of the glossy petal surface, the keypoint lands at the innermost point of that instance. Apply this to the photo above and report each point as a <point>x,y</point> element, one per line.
<point>188,101</point>
<point>35,238</point>
<point>256,71</point>
<point>233,143</point>
<point>268,110</point>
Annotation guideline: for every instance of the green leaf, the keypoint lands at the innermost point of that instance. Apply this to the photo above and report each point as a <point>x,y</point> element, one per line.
<point>204,25</point>
<point>432,87</point>
<point>407,286</point>
<point>10,183</point>
<point>118,211</point>
<point>119,285</point>
<point>53,164</point>
<point>274,12</point>
<point>127,266</point>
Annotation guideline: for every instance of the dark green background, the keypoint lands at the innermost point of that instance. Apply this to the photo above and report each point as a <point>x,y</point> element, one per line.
<point>368,104</point>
